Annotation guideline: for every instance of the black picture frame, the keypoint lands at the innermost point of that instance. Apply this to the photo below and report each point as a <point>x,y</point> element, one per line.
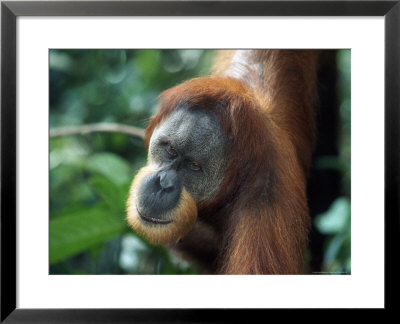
<point>10,10</point>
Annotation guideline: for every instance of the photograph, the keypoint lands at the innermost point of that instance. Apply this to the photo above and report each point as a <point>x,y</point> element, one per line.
<point>199,161</point>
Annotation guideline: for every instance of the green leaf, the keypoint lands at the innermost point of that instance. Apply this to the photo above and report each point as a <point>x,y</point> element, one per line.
<point>111,166</point>
<point>336,219</point>
<point>348,265</point>
<point>149,60</point>
<point>333,248</point>
<point>114,196</point>
<point>76,232</point>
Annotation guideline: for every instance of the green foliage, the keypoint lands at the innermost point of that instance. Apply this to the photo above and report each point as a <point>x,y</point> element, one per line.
<point>335,223</point>
<point>84,227</point>
<point>344,94</point>
<point>110,166</point>
<point>336,219</point>
<point>114,196</point>
<point>78,231</point>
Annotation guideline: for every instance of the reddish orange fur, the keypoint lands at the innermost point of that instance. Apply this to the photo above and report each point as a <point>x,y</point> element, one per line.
<point>261,212</point>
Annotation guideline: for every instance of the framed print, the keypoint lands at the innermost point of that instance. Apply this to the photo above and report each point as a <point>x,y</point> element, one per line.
<point>75,104</point>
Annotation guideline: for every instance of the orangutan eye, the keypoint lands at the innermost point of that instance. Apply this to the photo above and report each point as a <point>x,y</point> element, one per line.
<point>194,166</point>
<point>171,151</point>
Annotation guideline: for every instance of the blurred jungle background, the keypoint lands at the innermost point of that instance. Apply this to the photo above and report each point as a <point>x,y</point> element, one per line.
<point>91,170</point>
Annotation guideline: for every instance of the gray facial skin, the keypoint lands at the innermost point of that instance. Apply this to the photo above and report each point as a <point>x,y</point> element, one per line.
<point>195,136</point>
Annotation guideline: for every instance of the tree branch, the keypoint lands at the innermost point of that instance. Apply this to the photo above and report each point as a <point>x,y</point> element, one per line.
<point>97,128</point>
